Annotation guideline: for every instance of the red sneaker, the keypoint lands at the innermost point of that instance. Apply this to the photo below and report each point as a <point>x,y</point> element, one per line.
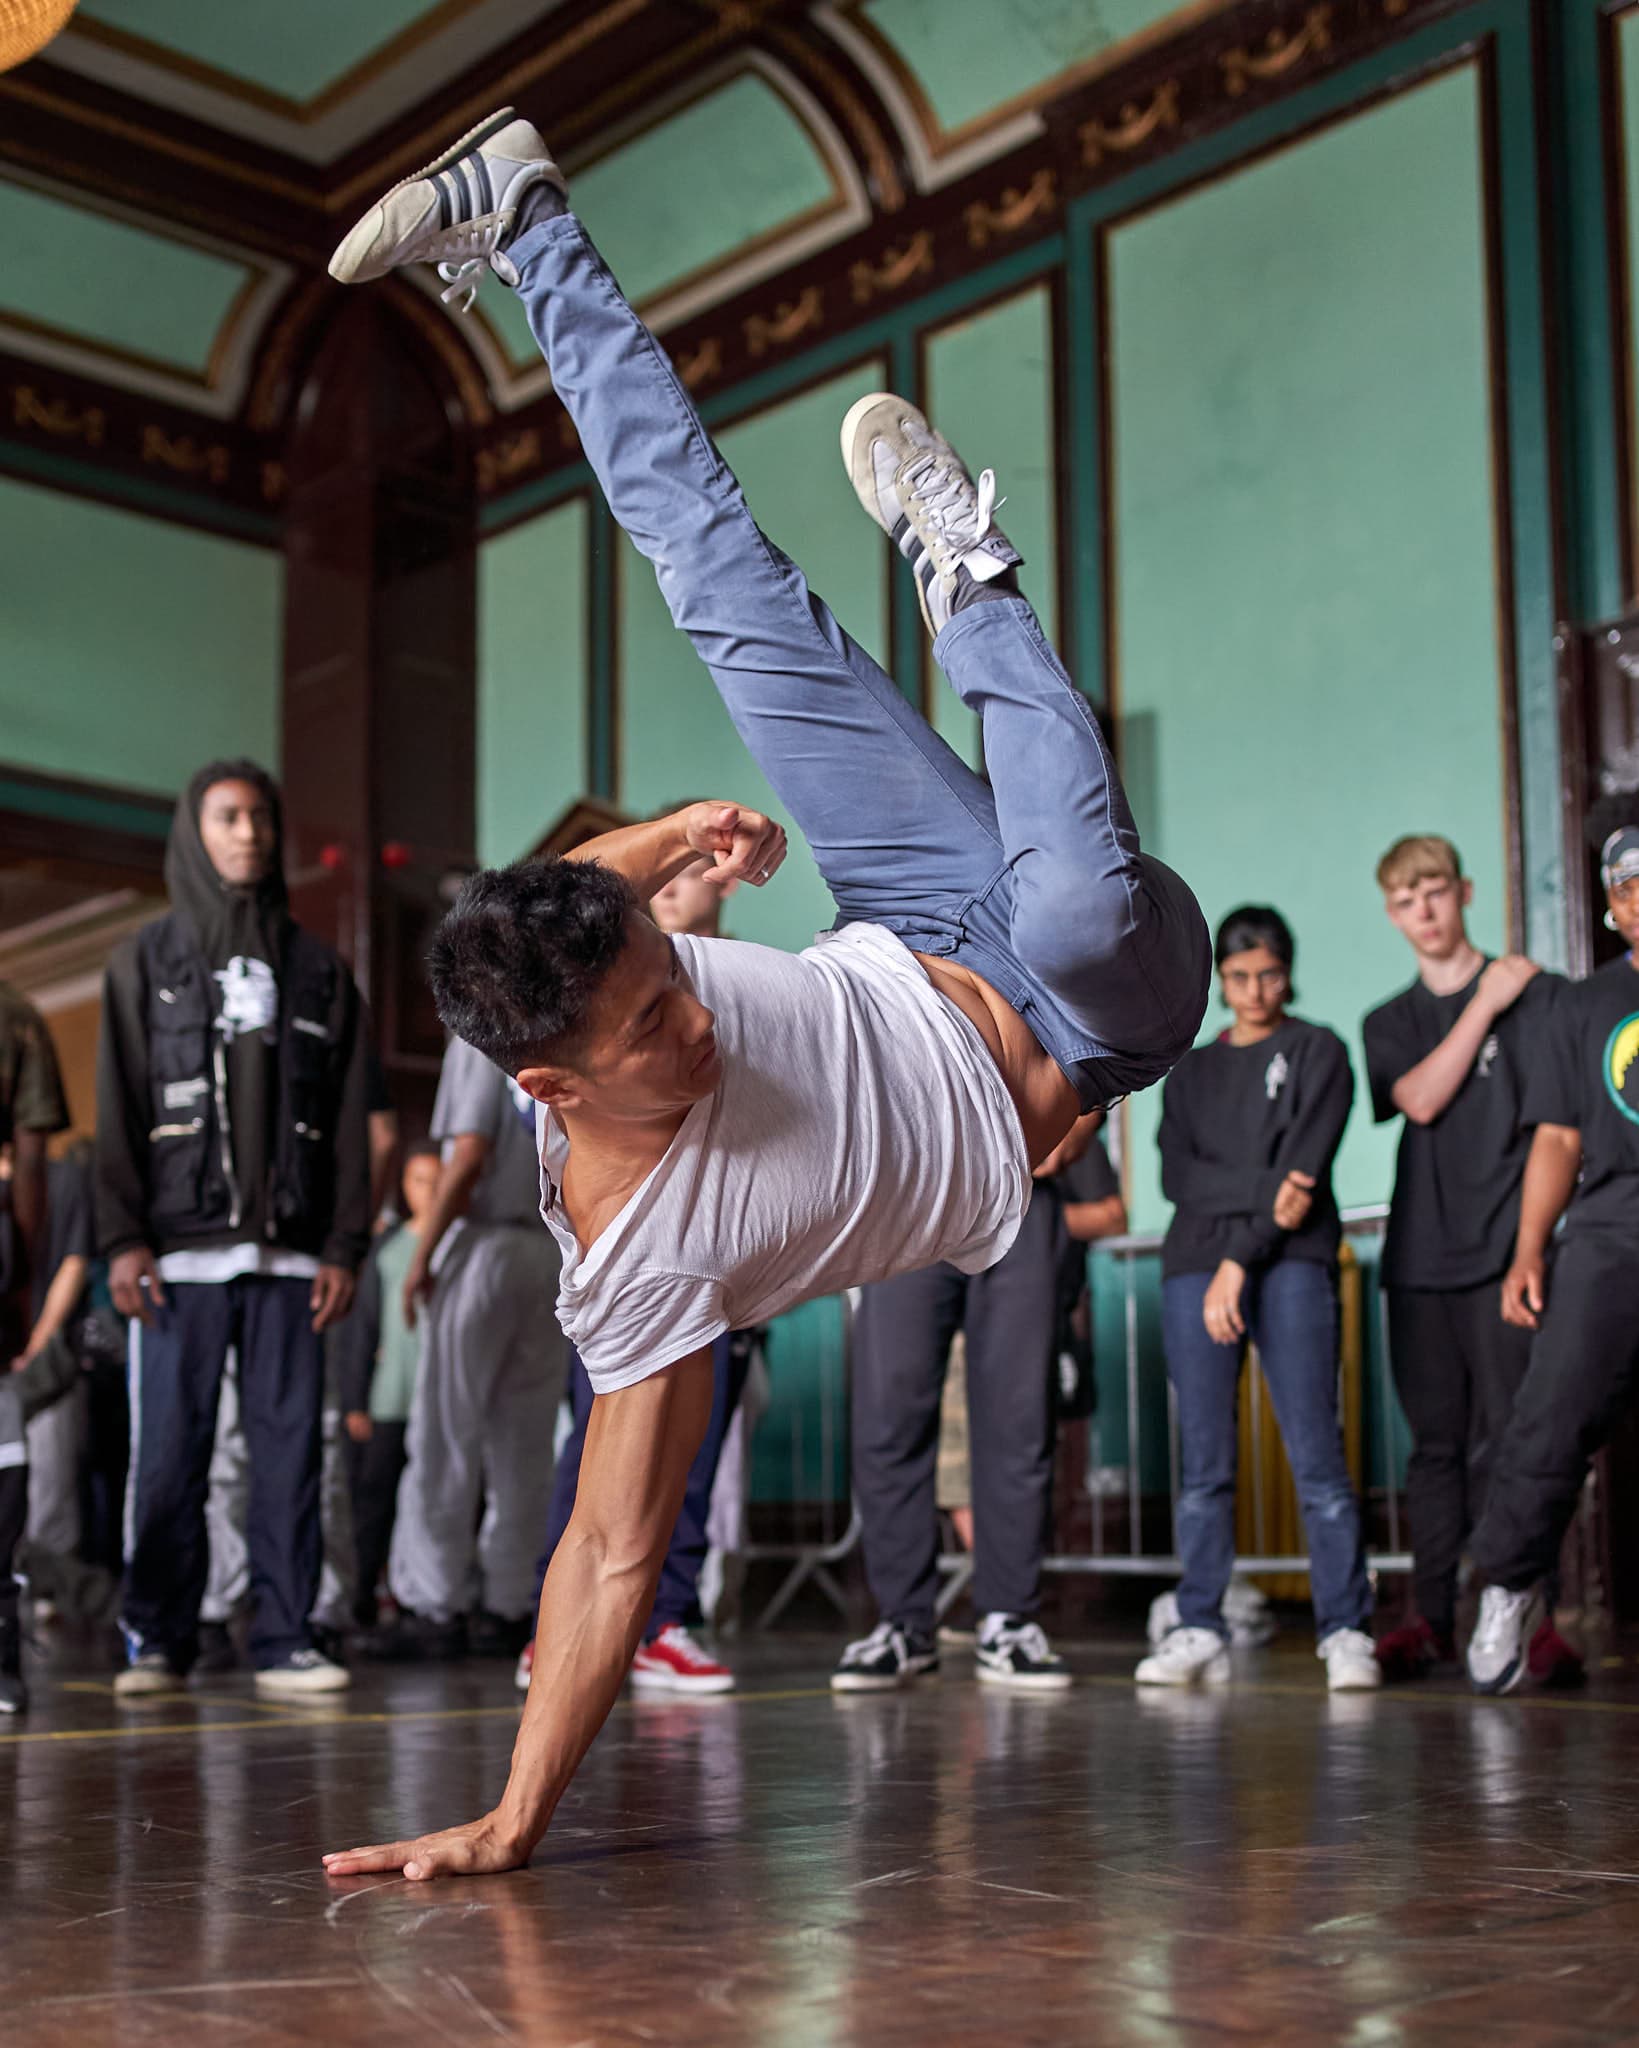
<point>1412,1651</point>
<point>1552,1662</point>
<point>675,1662</point>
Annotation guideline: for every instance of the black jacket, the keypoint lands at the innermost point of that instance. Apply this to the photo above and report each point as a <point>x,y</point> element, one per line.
<point>172,1171</point>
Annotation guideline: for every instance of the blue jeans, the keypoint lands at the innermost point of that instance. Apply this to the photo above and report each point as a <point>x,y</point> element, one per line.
<point>1291,1315</point>
<point>1035,880</point>
<point>676,1596</point>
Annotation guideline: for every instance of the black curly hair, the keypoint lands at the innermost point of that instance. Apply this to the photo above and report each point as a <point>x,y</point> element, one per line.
<point>521,956</point>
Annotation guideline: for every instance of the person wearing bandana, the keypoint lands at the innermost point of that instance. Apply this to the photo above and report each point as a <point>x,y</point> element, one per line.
<point>1580,1292</point>
<point>233,1206</point>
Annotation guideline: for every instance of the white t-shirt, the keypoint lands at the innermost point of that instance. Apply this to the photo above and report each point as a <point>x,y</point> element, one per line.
<point>861,1129</point>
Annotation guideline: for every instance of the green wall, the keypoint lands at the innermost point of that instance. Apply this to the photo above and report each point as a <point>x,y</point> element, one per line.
<point>533,683</point>
<point>987,385</point>
<point>676,740</point>
<point>133,650</point>
<point>1626,34</point>
<point>1305,584</point>
<point>113,284</point>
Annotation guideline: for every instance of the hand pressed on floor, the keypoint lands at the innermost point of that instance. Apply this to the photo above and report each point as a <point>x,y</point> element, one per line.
<point>475,1850</point>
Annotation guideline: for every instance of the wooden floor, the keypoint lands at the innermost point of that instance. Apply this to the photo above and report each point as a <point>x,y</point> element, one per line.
<point>953,1865</point>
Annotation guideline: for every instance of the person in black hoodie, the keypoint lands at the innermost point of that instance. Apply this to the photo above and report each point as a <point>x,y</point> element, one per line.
<point>1250,1125</point>
<point>233,1204</point>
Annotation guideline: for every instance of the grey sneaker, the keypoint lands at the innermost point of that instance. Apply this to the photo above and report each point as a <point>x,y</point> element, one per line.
<point>918,490</point>
<point>301,1673</point>
<point>148,1672</point>
<point>884,1660</point>
<point>1497,1648</point>
<point>457,213</point>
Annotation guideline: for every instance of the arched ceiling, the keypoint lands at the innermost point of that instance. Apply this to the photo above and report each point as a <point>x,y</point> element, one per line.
<point>174,173</point>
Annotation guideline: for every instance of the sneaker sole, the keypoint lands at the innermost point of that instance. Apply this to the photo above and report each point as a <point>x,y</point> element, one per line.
<point>148,1691</point>
<point>473,137</point>
<point>662,1681</point>
<point>866,1681</point>
<point>1019,1681</point>
<point>1190,1681</point>
<point>290,1688</point>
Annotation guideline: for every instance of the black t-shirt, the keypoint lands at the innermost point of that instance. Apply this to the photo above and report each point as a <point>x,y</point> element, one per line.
<point>1091,1178</point>
<point>1457,1180</point>
<point>1235,1120</point>
<point>1585,1075</point>
<point>69,1232</point>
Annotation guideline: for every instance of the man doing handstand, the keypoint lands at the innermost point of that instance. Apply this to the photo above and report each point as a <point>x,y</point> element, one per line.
<point>727,1130</point>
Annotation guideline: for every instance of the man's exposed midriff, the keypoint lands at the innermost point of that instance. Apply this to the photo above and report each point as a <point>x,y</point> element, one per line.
<point>1042,1093</point>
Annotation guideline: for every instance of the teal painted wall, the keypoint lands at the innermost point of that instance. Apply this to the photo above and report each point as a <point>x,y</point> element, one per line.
<point>134,650</point>
<point>676,740</point>
<point>1305,589</point>
<point>533,657</point>
<point>90,276</point>
<point>1626,33</point>
<point>988,387</point>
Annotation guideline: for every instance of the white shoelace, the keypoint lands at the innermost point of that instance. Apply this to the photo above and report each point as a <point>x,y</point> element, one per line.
<point>482,238</point>
<point>1028,1636</point>
<point>683,1646</point>
<point>883,1636</point>
<point>958,516</point>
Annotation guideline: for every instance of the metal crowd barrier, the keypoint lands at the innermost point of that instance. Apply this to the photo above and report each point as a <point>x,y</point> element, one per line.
<point>1265,1494</point>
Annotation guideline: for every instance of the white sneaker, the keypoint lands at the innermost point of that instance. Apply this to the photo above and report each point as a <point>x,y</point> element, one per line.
<point>1497,1648</point>
<point>455,213</point>
<point>302,1672</point>
<point>1188,1656</point>
<point>1162,1620</point>
<point>1350,1657</point>
<point>918,490</point>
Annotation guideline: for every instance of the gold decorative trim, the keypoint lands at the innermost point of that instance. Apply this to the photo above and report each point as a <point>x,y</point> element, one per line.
<point>894,269</point>
<point>1012,213</point>
<point>701,365</point>
<point>1395,8</point>
<point>1282,50</point>
<point>185,455</point>
<point>1132,127</point>
<point>503,460</point>
<point>57,417</point>
<point>941,141</point>
<point>232,86</point>
<point>275,480</point>
<point>787,323</point>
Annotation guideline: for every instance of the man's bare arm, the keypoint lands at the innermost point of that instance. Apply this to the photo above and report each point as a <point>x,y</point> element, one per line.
<point>640,1444</point>
<point>744,845</point>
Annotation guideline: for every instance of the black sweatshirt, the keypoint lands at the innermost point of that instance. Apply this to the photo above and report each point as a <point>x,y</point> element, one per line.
<point>1235,1120</point>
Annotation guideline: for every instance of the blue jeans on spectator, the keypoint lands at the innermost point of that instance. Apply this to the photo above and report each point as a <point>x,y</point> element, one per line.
<point>1290,1310</point>
<point>676,1598</point>
<point>1035,879</point>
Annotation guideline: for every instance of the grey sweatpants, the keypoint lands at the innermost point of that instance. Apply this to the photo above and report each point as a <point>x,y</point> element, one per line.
<point>493,1365</point>
<point>902,1338</point>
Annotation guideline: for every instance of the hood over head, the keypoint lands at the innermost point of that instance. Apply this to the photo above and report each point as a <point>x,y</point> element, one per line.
<point>226,919</point>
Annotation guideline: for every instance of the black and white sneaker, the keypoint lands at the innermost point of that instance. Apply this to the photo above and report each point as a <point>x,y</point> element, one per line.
<point>918,490</point>
<point>888,1657</point>
<point>1015,1651</point>
<point>457,213</point>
